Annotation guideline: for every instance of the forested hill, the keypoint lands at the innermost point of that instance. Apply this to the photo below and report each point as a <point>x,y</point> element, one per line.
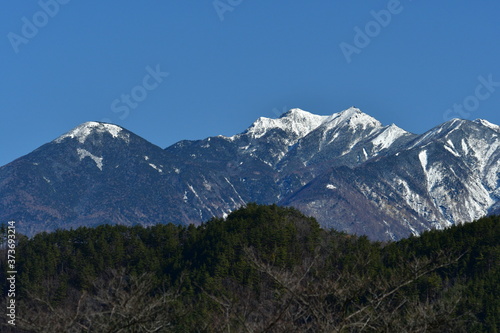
<point>262,269</point>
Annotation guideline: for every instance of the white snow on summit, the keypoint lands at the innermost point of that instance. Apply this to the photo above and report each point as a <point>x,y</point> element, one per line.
<point>387,137</point>
<point>300,123</point>
<point>82,131</point>
<point>353,117</point>
<point>296,121</point>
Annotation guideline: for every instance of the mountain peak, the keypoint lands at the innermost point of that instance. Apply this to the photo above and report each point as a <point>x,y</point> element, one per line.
<point>297,113</point>
<point>351,111</point>
<point>353,117</point>
<point>81,132</point>
<point>354,113</point>
<point>295,121</point>
<point>299,123</point>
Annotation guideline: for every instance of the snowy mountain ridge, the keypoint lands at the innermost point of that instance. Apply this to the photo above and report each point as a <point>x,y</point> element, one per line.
<point>348,170</point>
<point>296,122</point>
<point>84,130</point>
<point>486,123</point>
<point>299,123</point>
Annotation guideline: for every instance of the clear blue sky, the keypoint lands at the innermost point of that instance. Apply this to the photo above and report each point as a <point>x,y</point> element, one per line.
<point>246,59</point>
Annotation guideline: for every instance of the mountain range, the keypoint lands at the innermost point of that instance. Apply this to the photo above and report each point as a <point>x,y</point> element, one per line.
<point>347,170</point>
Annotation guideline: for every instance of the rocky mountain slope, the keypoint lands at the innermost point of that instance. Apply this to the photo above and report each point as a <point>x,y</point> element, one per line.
<point>347,170</point>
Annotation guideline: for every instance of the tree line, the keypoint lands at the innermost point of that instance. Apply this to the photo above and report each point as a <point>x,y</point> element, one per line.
<point>262,269</point>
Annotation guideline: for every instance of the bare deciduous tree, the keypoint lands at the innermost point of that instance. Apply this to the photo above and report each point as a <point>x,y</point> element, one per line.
<point>306,300</point>
<point>117,303</point>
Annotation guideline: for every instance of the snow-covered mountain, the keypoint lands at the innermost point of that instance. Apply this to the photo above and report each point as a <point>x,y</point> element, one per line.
<point>447,175</point>
<point>348,170</point>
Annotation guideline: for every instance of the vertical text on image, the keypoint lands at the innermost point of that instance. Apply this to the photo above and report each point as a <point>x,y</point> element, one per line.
<point>11,273</point>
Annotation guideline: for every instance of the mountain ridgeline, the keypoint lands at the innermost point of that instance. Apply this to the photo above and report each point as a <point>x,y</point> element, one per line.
<point>347,170</point>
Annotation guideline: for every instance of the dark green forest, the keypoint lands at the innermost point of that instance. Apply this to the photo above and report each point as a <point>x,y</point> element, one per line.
<point>262,269</point>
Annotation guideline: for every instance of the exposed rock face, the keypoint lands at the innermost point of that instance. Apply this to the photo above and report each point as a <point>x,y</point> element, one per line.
<point>347,170</point>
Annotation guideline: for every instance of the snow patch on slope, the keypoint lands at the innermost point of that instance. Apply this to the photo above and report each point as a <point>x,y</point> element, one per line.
<point>433,134</point>
<point>413,199</point>
<point>465,148</point>
<point>155,167</point>
<point>422,156</point>
<point>449,146</point>
<point>486,123</point>
<point>242,202</point>
<point>82,153</point>
<point>387,137</point>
